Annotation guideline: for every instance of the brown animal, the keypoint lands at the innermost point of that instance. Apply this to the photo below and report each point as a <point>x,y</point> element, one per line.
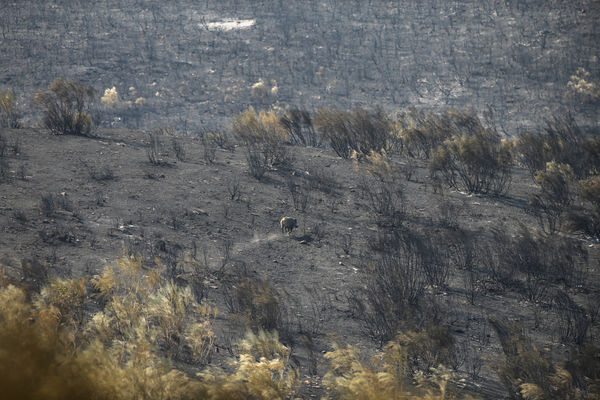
<point>288,224</point>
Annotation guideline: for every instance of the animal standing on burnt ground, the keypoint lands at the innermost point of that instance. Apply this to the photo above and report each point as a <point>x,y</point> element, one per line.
<point>288,224</point>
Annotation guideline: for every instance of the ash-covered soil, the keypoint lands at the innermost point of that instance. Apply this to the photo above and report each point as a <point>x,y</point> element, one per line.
<point>109,200</point>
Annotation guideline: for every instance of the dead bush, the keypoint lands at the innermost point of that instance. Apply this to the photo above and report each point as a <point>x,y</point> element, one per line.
<point>562,142</point>
<point>382,190</point>
<point>115,354</point>
<point>179,149</point>
<point>387,376</point>
<point>386,203</point>
<point>209,147</point>
<point>258,303</point>
<point>474,160</point>
<point>422,132</point>
<point>262,371</point>
<point>428,348</point>
<point>555,197</point>
<point>300,128</point>
<point>4,169</point>
<point>99,173</point>
<point>573,323</point>
<point>526,372</point>
<point>395,281</point>
<point>234,188</point>
<point>531,264</point>
<point>34,274</point>
<point>587,220</point>
<point>362,131</point>
<point>51,203</point>
<point>256,164</point>
<point>301,193</point>
<point>66,107</point>
<point>156,151</point>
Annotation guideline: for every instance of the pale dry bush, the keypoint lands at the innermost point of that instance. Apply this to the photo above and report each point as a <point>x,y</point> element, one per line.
<point>581,86</point>
<point>261,371</point>
<point>422,132</point>
<point>110,97</point>
<point>66,297</point>
<point>40,357</point>
<point>259,90</point>
<point>118,354</point>
<point>9,117</point>
<point>171,315</point>
<point>385,377</point>
<point>264,133</point>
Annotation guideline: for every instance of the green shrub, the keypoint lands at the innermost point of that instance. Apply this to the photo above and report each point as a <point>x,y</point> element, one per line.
<point>476,161</point>
<point>9,117</point>
<point>66,107</point>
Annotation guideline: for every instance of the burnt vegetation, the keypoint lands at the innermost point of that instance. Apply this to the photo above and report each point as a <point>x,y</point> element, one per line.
<point>454,244</point>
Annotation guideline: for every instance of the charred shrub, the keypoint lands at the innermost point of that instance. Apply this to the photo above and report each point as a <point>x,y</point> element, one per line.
<point>395,282</point>
<point>209,149</point>
<point>381,188</point>
<point>572,322</point>
<point>362,131</point>
<point>256,164</point>
<point>66,107</point>
<point>301,193</point>
<point>234,188</point>
<point>562,142</point>
<point>257,302</point>
<point>299,126</point>
<point>527,373</point>
<point>474,160</point>
<point>386,203</point>
<point>423,132</point>
<point>99,173</point>
<point>531,264</point>
<point>51,203</point>
<point>34,274</point>
<point>587,220</point>
<point>555,196</point>
<point>178,149</point>
<point>156,151</point>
